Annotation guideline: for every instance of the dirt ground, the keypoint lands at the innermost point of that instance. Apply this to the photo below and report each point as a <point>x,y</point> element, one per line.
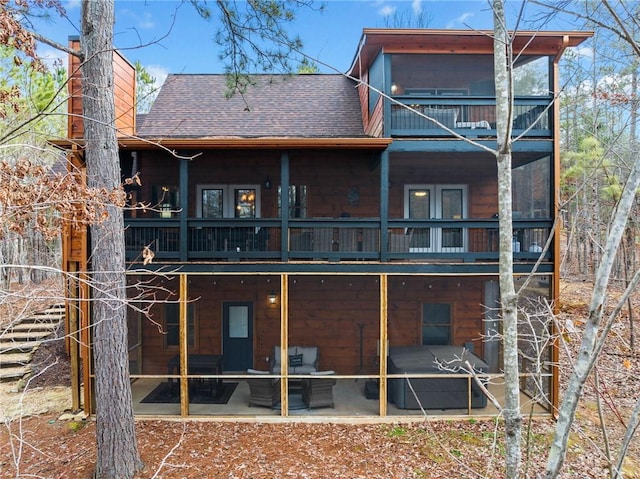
<point>41,444</point>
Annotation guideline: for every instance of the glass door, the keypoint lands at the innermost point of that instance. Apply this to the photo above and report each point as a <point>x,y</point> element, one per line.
<point>447,202</point>
<point>451,206</point>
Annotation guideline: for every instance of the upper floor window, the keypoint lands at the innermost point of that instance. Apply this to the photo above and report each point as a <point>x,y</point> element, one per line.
<point>228,201</point>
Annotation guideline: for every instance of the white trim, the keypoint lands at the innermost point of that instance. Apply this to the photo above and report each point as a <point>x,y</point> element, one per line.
<point>228,200</point>
<point>435,207</point>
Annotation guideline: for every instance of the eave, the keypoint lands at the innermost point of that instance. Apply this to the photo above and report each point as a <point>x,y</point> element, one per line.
<point>374,40</point>
<point>364,143</point>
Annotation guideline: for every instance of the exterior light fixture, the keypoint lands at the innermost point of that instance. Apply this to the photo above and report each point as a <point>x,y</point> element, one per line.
<point>273,297</point>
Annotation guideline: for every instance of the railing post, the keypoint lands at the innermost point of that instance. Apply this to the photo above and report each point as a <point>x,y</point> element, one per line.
<point>384,205</point>
<point>284,206</point>
<point>184,209</point>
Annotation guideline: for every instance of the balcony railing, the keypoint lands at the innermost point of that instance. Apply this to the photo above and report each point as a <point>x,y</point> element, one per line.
<point>331,240</point>
<point>468,116</point>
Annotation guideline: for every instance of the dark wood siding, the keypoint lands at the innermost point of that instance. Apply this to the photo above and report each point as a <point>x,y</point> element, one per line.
<point>324,311</point>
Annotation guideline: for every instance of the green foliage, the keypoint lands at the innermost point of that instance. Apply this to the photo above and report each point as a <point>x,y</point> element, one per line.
<point>146,89</point>
<point>397,431</point>
<point>254,38</point>
<point>307,66</point>
<point>76,426</point>
<point>37,98</point>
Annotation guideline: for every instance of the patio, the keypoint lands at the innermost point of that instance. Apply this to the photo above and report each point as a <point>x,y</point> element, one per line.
<point>349,400</point>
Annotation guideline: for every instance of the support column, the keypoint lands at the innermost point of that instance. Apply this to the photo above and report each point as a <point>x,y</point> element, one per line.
<point>284,344</point>
<point>184,209</point>
<point>382,394</point>
<point>184,381</point>
<point>384,205</point>
<point>284,206</point>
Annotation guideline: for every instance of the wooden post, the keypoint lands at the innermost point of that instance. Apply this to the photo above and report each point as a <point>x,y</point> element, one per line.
<point>555,283</point>
<point>73,333</point>
<point>184,381</point>
<point>382,394</point>
<point>85,340</point>
<point>284,344</point>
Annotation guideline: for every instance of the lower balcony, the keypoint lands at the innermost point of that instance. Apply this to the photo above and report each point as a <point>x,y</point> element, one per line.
<point>331,240</point>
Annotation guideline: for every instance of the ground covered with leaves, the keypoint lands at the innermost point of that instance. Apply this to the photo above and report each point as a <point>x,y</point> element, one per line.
<point>45,446</point>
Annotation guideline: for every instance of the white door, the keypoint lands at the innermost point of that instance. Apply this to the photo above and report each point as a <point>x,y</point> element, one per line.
<point>437,202</point>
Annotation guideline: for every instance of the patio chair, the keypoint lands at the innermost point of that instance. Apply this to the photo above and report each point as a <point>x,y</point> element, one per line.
<point>263,391</point>
<point>317,390</point>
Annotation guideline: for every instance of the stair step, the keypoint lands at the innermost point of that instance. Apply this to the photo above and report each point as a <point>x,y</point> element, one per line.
<point>55,307</point>
<point>34,327</point>
<point>17,336</point>
<point>14,359</point>
<point>16,347</point>
<point>7,374</point>
<point>43,318</point>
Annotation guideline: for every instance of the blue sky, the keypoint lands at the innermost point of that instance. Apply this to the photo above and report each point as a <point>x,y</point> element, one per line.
<point>331,36</point>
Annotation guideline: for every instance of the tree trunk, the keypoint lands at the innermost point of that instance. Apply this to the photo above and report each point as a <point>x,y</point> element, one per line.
<point>117,452</point>
<point>592,339</point>
<point>508,296</point>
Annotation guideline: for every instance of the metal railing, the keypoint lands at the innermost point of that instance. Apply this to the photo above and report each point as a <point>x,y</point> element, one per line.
<point>332,239</point>
<point>468,116</point>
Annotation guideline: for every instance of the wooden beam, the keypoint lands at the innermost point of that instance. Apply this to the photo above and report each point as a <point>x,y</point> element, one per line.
<point>86,323</point>
<point>267,143</point>
<point>382,390</point>
<point>184,381</point>
<point>555,283</point>
<point>73,333</point>
<point>284,344</point>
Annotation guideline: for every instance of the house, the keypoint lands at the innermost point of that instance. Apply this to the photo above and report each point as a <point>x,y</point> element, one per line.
<point>340,220</point>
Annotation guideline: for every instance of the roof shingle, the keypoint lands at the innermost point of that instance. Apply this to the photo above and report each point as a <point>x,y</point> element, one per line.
<point>304,106</point>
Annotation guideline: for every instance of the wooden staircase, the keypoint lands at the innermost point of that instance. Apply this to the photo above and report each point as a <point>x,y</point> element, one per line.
<point>19,342</point>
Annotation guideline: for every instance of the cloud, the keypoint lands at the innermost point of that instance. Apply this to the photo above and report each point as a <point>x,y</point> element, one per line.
<point>582,51</point>
<point>460,20</point>
<point>387,10</point>
<point>52,58</point>
<point>146,22</point>
<point>143,22</point>
<point>416,6</point>
<point>158,72</point>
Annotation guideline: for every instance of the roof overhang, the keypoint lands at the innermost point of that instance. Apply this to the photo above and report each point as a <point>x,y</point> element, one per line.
<point>372,41</point>
<point>239,143</point>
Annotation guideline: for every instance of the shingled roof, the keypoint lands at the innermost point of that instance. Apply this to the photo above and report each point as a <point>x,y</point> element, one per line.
<point>294,106</point>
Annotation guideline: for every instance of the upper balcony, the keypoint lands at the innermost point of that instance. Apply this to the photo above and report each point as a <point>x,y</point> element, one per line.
<point>466,116</point>
<point>331,240</point>
<point>435,95</point>
<point>344,207</point>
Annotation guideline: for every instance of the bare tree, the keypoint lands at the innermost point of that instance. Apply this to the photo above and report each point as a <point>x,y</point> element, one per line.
<point>116,439</point>
<point>503,59</point>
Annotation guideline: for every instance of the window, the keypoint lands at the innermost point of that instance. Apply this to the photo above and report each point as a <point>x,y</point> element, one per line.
<point>423,202</point>
<point>228,201</point>
<point>436,324</point>
<point>166,199</point>
<point>297,201</point>
<point>172,325</point>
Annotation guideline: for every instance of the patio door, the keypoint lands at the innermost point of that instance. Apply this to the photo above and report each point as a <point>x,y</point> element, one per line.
<point>237,336</point>
<point>436,202</point>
